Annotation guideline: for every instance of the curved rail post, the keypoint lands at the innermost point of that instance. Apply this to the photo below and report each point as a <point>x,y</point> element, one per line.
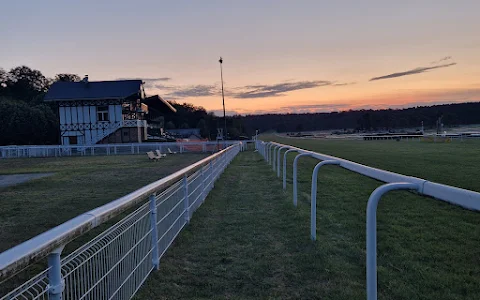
<point>267,145</point>
<point>269,154</point>
<point>295,189</point>
<point>278,158</point>
<point>264,150</point>
<point>274,160</point>
<point>285,167</point>
<point>313,210</point>
<point>372,231</point>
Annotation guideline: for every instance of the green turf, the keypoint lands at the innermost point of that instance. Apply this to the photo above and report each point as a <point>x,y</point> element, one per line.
<point>454,163</point>
<point>248,241</point>
<point>78,185</point>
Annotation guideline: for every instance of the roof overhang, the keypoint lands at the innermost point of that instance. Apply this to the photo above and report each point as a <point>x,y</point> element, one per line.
<point>150,101</point>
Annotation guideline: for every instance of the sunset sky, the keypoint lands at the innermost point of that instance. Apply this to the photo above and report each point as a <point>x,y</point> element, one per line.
<point>279,56</point>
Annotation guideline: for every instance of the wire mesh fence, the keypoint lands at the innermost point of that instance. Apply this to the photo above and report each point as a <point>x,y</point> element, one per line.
<point>114,264</point>
<point>112,149</point>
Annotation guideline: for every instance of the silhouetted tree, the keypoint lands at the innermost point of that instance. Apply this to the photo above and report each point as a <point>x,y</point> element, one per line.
<point>23,83</point>
<point>67,77</point>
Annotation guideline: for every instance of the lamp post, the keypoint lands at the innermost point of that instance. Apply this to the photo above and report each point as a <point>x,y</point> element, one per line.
<point>223,101</point>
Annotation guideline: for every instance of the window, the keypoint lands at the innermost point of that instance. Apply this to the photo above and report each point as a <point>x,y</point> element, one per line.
<point>102,113</point>
<point>72,140</point>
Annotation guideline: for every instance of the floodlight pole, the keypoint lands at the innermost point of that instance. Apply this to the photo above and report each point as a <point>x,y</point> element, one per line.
<point>223,101</point>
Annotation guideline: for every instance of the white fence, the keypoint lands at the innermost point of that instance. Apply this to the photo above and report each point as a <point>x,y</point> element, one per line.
<point>115,263</point>
<point>271,151</point>
<point>111,149</point>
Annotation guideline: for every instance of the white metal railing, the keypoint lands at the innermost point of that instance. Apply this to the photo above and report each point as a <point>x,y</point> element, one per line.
<point>133,123</point>
<point>109,128</point>
<point>115,263</point>
<point>110,149</point>
<point>271,151</point>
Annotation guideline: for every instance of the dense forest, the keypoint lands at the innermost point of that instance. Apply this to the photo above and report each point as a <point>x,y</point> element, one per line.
<point>26,119</point>
<point>368,120</point>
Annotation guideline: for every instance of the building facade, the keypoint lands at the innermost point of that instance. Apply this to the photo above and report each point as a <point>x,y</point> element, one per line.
<point>100,112</point>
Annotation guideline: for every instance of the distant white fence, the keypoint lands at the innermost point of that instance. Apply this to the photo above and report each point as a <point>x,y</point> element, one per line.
<point>111,149</point>
<point>271,151</point>
<point>115,263</point>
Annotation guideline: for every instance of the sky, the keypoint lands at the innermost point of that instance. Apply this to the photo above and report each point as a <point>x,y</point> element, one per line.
<point>279,56</point>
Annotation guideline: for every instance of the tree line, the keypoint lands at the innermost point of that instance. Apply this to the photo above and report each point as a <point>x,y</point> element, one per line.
<point>368,120</point>
<point>24,118</point>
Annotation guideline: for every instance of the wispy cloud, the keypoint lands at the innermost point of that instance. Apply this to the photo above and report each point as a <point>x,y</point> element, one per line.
<point>441,59</point>
<point>412,72</point>
<point>275,90</point>
<point>241,92</point>
<point>201,90</point>
<point>344,84</point>
<point>149,82</point>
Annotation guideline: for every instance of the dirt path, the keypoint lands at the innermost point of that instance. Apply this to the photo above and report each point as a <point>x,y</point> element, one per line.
<point>9,180</point>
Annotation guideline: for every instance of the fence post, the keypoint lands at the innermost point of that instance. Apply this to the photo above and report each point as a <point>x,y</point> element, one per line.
<point>313,202</point>
<point>211,175</point>
<point>270,153</point>
<point>56,284</point>
<point>278,159</point>
<point>274,160</point>
<point>185,201</point>
<point>267,145</point>
<point>267,152</point>
<point>285,167</point>
<point>153,227</point>
<point>295,188</point>
<point>372,231</point>
<point>131,149</point>
<point>115,149</point>
<point>204,148</point>
<point>202,174</point>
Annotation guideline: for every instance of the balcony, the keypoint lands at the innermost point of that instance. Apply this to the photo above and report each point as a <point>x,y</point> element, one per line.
<point>133,123</point>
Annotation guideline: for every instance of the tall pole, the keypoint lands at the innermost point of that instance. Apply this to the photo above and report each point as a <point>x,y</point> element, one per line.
<point>223,101</point>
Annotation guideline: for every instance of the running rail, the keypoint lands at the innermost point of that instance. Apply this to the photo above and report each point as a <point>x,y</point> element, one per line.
<point>461,197</point>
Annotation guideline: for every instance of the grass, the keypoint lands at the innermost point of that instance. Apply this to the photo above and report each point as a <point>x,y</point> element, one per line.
<point>78,185</point>
<point>454,163</point>
<point>248,241</point>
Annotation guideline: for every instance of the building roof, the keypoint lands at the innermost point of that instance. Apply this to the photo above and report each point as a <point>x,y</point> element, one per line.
<point>93,90</point>
<point>158,103</point>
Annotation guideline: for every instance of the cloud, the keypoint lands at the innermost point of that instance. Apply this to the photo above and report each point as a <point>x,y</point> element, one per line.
<point>412,72</point>
<point>242,92</point>
<point>275,90</point>
<point>441,59</point>
<point>344,84</point>
<point>149,82</point>
<point>201,90</point>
